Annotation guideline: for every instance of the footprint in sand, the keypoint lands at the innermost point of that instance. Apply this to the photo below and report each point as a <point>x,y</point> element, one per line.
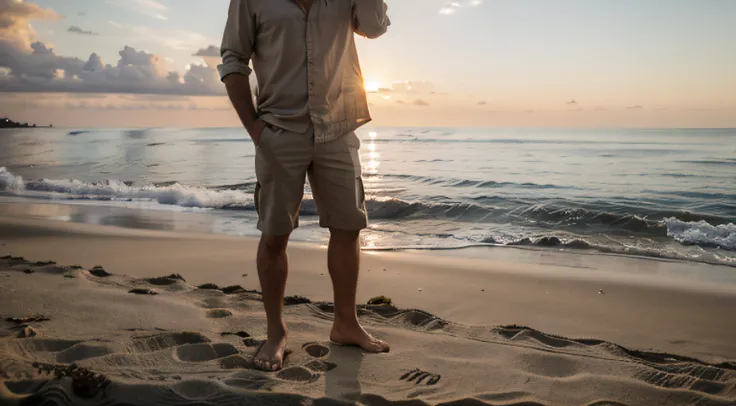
<point>205,352</point>
<point>48,344</point>
<point>236,362</point>
<point>299,374</point>
<point>307,373</point>
<point>310,371</point>
<point>167,340</point>
<point>242,334</point>
<point>81,352</point>
<point>218,313</point>
<point>252,342</point>
<point>26,320</point>
<point>98,271</point>
<point>318,365</point>
<point>417,376</point>
<point>316,350</point>
<point>142,291</point>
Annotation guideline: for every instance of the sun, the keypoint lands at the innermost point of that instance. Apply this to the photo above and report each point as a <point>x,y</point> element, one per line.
<point>371,86</point>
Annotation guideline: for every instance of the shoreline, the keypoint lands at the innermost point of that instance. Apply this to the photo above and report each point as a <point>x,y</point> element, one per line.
<point>199,223</point>
<point>457,331</point>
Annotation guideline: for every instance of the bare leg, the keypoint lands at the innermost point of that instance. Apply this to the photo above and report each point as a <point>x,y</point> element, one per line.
<point>273,267</point>
<point>343,261</point>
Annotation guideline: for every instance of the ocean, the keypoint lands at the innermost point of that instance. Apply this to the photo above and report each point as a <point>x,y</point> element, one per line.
<point>665,193</point>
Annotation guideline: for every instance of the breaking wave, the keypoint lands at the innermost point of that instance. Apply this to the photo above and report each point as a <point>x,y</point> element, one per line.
<point>704,230</point>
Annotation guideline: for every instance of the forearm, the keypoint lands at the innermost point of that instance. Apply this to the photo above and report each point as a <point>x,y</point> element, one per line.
<point>238,90</point>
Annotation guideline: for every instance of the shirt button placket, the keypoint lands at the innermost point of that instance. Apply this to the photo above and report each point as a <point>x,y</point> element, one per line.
<point>310,72</point>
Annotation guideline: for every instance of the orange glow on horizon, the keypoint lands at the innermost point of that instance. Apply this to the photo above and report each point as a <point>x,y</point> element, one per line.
<point>371,86</point>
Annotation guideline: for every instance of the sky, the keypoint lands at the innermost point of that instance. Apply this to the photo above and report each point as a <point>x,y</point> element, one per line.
<point>563,63</point>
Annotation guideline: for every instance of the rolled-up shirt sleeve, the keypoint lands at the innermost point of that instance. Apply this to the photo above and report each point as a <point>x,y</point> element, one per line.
<point>370,18</point>
<point>238,40</point>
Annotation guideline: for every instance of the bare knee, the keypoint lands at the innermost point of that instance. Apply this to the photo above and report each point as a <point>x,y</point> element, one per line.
<point>344,236</point>
<point>274,245</point>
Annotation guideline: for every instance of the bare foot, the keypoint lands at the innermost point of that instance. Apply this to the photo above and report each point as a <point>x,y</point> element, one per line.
<point>354,334</point>
<point>270,355</point>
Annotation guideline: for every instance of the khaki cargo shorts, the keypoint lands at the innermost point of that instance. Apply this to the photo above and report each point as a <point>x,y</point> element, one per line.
<point>283,161</point>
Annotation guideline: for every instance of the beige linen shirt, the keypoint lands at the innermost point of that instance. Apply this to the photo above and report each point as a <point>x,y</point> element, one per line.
<point>306,64</point>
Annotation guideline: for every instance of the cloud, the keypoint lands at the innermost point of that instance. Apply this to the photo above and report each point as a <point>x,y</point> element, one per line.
<point>447,10</point>
<point>637,107</point>
<point>148,8</point>
<point>77,30</point>
<point>399,88</point>
<point>210,55</point>
<point>412,87</point>
<point>94,64</point>
<point>211,50</point>
<point>451,8</point>
<point>135,72</point>
<point>420,102</point>
<point>28,65</point>
<point>15,30</point>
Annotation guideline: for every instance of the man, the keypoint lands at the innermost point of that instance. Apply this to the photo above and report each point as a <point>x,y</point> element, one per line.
<point>310,100</point>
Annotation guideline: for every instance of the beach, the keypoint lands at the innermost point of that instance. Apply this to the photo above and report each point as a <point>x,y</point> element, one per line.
<point>512,327</point>
<point>546,217</point>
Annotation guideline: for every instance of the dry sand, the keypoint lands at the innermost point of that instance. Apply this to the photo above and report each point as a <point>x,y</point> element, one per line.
<point>169,348</point>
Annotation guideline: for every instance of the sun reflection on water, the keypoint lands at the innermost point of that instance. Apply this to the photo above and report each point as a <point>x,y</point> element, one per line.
<point>373,161</point>
<point>369,240</point>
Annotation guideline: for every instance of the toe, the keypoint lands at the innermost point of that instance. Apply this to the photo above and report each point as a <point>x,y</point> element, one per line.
<point>379,346</point>
<point>262,364</point>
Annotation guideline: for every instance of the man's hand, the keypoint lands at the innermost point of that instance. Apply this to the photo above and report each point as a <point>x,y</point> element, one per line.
<point>256,130</point>
<point>369,18</point>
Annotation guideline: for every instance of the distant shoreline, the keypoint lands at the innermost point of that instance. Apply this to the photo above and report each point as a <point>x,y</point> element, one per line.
<point>8,123</point>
